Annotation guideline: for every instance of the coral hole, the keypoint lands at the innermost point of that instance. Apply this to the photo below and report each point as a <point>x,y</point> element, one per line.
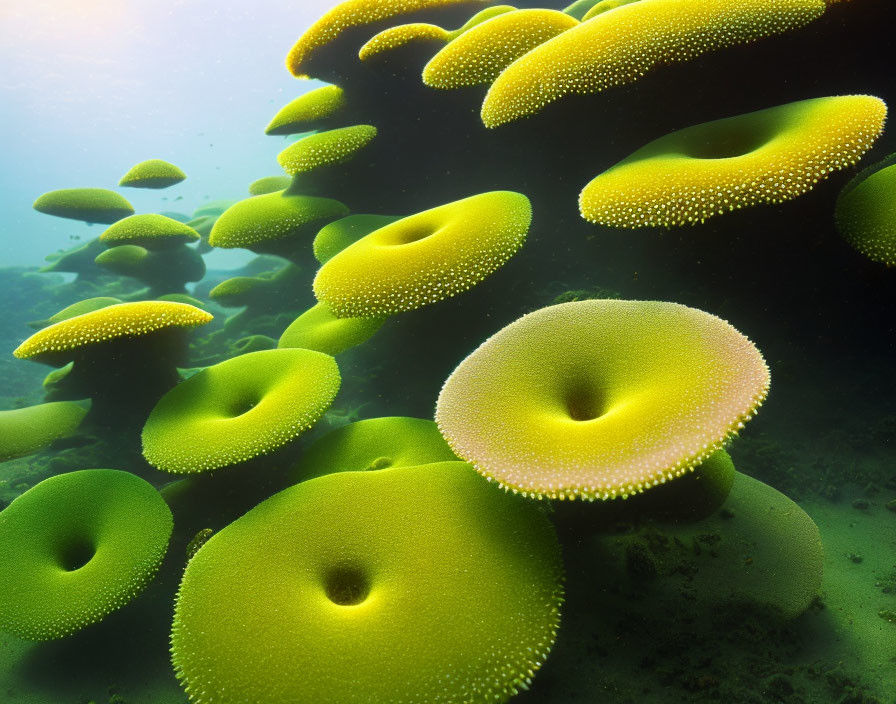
<point>346,586</point>
<point>76,553</point>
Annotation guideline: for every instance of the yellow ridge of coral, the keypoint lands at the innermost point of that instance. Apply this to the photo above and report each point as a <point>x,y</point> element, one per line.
<point>618,47</point>
<point>768,156</point>
<point>116,321</point>
<point>353,13</point>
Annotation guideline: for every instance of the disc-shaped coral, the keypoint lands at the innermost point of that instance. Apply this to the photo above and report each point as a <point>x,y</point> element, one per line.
<point>372,444</point>
<point>166,270</point>
<point>479,55</point>
<point>76,547</point>
<point>768,156</point>
<point>621,46</point>
<point>310,111</point>
<point>333,238</point>
<point>274,223</point>
<point>426,257</point>
<point>150,231</point>
<point>125,320</point>
<point>88,305</point>
<point>323,148</point>
<point>318,329</point>
<point>88,204</point>
<point>77,260</point>
<point>153,173</point>
<point>605,6</point>
<point>866,212</point>
<point>348,15</point>
<point>415,585</point>
<point>26,430</point>
<point>601,398</point>
<point>269,184</point>
<point>243,407</point>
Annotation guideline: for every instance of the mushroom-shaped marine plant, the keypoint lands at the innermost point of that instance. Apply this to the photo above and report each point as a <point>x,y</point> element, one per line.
<point>275,223</point>
<point>767,156</point>
<point>325,148</point>
<point>480,55</point>
<point>318,329</point>
<point>453,594</point>
<point>618,47</point>
<point>126,355</point>
<point>372,444</point>
<point>425,258</point>
<point>153,173</point>
<point>269,184</point>
<point>243,407</point>
<point>77,260</point>
<point>152,249</point>
<point>92,205</point>
<point>76,547</point>
<point>27,430</point>
<point>866,212</point>
<point>601,398</point>
<point>310,111</point>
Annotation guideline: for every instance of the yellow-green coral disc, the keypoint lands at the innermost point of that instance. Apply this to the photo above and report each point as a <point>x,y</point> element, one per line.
<point>271,219</point>
<point>866,213</point>
<point>395,37</point>
<point>308,111</point>
<point>318,329</point>
<point>241,408</point>
<point>768,156</point>
<point>150,231</point>
<point>330,147</point>
<point>420,585</point>
<point>353,13</point>
<point>601,398</point>
<point>26,430</point>
<point>373,444</point>
<point>479,55</point>
<point>426,257</point>
<point>88,204</point>
<point>269,184</point>
<point>604,6</point>
<point>154,173</point>
<point>111,322</point>
<point>76,547</point>
<point>621,46</point>
<point>336,236</point>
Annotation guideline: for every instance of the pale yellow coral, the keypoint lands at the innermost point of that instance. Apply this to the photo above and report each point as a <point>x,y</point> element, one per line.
<point>601,398</point>
<point>768,156</point>
<point>621,46</point>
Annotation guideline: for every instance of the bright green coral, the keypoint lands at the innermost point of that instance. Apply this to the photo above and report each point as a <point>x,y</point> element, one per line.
<point>153,173</point>
<point>768,156</point>
<point>76,547</point>
<point>97,205</point>
<point>421,585</point>
<point>373,444</point>
<point>241,408</point>
<point>481,54</point>
<point>310,111</point>
<point>425,258</point>
<point>333,238</point>
<point>866,212</point>
<point>27,430</point>
<point>324,148</point>
<point>88,305</point>
<point>318,329</point>
<point>269,184</point>
<point>150,231</point>
<point>274,223</point>
<point>621,46</point>
<point>602,398</point>
<point>164,271</point>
